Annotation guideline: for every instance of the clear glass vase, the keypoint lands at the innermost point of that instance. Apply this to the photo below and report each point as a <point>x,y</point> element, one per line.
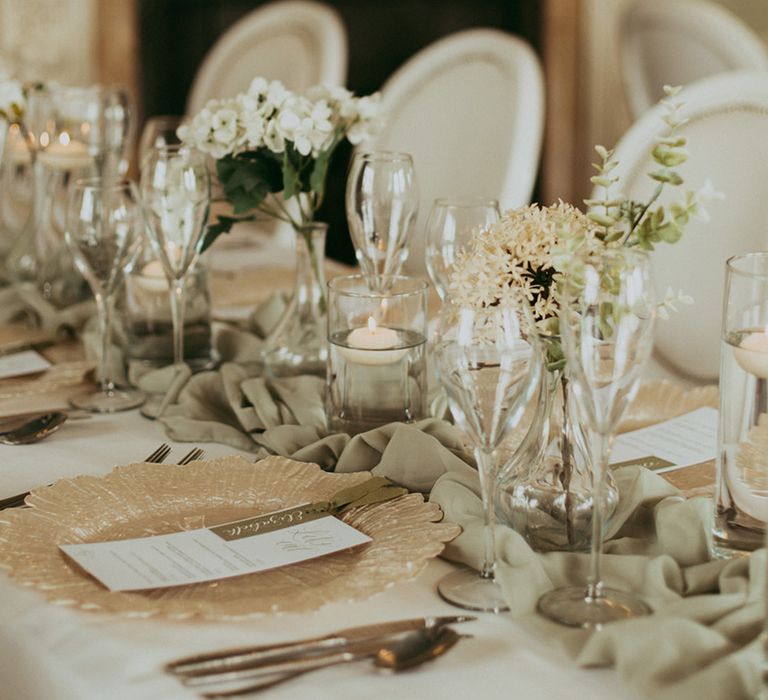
<point>298,344</point>
<point>545,491</point>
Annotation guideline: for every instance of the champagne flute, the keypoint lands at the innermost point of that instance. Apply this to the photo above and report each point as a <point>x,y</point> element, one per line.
<point>103,232</point>
<point>382,200</point>
<point>490,363</point>
<point>176,195</point>
<point>451,223</point>
<point>606,324</point>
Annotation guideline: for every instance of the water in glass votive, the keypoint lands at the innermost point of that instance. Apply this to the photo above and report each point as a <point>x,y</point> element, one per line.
<point>741,490</point>
<point>370,387</point>
<point>147,320</point>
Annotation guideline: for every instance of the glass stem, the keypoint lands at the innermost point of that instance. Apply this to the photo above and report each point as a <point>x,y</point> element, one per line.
<point>177,318</point>
<point>600,453</point>
<point>105,306</point>
<point>485,464</point>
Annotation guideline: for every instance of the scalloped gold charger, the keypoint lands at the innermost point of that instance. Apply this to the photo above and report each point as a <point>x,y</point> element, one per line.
<point>139,500</point>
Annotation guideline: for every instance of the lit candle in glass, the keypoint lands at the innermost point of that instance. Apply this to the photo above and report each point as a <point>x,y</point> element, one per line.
<point>373,345</point>
<point>66,154</point>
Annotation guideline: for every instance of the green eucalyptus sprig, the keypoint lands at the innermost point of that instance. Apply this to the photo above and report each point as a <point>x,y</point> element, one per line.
<point>631,223</point>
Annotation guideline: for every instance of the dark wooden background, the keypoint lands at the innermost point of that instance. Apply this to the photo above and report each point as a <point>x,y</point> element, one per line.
<point>383,34</point>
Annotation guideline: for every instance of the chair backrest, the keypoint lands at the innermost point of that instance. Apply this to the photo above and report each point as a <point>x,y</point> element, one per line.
<point>298,42</point>
<point>727,143</point>
<point>677,43</point>
<point>469,108</point>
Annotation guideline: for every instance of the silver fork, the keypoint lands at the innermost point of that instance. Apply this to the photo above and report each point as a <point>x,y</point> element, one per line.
<point>191,456</point>
<point>159,454</point>
<point>154,457</point>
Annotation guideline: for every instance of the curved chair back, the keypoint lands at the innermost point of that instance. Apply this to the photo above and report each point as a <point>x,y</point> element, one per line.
<point>727,143</point>
<point>298,42</point>
<point>677,43</point>
<point>469,108</point>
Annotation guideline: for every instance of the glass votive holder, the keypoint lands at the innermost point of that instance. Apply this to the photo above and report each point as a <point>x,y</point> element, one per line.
<point>377,353</point>
<point>741,474</point>
<point>146,316</point>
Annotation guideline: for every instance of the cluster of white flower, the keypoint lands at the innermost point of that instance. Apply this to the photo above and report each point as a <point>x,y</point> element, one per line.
<point>268,115</point>
<point>520,253</point>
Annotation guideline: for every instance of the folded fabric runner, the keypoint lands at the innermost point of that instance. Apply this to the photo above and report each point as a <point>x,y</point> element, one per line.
<point>703,640</point>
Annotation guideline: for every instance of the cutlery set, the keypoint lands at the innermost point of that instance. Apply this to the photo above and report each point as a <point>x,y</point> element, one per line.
<point>396,645</point>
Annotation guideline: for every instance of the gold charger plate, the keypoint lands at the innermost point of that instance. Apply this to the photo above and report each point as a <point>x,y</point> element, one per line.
<point>139,500</point>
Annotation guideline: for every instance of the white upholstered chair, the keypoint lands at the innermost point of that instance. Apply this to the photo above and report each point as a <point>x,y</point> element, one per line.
<point>469,108</point>
<point>299,42</point>
<point>677,43</point>
<point>728,144</point>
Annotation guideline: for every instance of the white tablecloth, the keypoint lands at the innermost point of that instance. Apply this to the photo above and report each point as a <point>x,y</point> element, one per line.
<point>49,652</point>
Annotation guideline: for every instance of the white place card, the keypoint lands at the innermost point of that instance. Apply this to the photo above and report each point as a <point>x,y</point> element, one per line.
<point>680,442</point>
<point>20,363</point>
<point>208,554</point>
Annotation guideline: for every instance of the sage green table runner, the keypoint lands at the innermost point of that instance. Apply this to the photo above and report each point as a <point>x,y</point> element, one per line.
<point>703,640</point>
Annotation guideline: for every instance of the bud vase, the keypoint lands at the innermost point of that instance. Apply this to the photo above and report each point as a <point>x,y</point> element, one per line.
<point>298,344</point>
<point>545,491</point>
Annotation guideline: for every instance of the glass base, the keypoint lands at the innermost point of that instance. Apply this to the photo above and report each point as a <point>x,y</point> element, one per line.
<point>467,589</point>
<point>570,606</point>
<point>109,401</point>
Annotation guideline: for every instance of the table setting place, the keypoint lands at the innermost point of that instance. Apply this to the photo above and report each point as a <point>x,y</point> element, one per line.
<point>214,484</point>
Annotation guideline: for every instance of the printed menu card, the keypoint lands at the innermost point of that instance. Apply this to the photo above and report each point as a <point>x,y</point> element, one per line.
<point>207,554</point>
<point>680,442</point>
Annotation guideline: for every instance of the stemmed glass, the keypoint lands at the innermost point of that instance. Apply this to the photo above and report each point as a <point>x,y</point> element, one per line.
<point>451,223</point>
<point>382,200</point>
<point>176,195</point>
<point>490,362</point>
<point>103,232</point>
<point>607,317</point>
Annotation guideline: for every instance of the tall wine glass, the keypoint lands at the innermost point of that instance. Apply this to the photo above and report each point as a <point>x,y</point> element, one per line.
<point>103,232</point>
<point>382,200</point>
<point>490,362</point>
<point>176,195</point>
<point>607,329</point>
<point>451,223</point>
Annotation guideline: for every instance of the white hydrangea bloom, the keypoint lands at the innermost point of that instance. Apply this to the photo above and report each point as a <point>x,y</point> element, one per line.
<point>268,115</point>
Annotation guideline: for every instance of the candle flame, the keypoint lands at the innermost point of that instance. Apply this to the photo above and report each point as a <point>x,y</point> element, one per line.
<point>371,324</point>
<point>64,138</point>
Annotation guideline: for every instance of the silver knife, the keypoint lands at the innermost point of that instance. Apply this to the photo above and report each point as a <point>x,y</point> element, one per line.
<point>201,664</point>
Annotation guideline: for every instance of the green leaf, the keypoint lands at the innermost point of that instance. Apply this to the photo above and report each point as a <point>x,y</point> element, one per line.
<point>675,179</point>
<point>320,169</point>
<point>675,156</point>
<point>249,177</point>
<point>223,225</point>
<point>670,232</point>
<point>297,171</point>
<point>603,152</point>
<point>601,219</point>
<point>661,175</point>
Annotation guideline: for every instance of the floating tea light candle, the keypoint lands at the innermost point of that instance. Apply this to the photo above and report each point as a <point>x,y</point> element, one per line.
<point>373,345</point>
